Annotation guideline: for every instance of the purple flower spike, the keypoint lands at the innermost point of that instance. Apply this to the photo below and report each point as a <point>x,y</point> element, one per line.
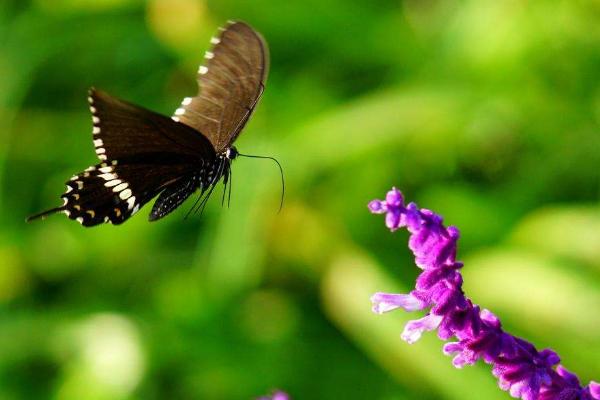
<point>521,369</point>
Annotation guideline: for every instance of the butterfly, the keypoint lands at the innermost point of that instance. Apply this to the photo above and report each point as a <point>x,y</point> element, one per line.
<point>144,154</point>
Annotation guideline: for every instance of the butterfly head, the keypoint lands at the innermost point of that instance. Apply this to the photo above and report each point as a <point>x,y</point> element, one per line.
<point>231,153</point>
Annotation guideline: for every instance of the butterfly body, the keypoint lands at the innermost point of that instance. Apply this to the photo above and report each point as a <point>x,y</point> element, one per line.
<point>144,154</point>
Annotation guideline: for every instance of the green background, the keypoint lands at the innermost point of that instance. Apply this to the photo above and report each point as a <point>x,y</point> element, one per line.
<point>486,111</point>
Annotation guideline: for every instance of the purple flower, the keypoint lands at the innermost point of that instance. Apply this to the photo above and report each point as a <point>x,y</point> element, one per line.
<point>521,369</point>
<point>569,388</point>
<point>525,374</point>
<point>392,206</point>
<point>415,328</point>
<point>277,395</point>
<point>384,302</point>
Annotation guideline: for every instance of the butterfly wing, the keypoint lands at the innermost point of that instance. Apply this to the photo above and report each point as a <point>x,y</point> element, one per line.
<point>173,196</point>
<point>142,153</point>
<point>230,85</point>
<point>114,192</point>
<point>125,132</point>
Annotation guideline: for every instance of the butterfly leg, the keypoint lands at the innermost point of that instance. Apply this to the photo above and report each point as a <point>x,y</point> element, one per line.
<point>230,184</point>
<point>223,164</point>
<point>224,190</point>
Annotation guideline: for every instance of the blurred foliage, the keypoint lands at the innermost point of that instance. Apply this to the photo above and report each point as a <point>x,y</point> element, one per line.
<point>486,111</point>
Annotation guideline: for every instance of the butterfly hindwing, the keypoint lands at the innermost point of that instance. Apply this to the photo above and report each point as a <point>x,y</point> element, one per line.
<point>90,202</point>
<point>230,85</point>
<point>174,195</point>
<point>112,193</point>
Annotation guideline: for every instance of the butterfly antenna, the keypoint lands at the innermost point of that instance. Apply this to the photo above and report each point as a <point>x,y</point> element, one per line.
<point>44,214</point>
<point>280,171</point>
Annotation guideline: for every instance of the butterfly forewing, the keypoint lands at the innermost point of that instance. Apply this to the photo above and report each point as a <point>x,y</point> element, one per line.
<point>123,131</point>
<point>230,85</point>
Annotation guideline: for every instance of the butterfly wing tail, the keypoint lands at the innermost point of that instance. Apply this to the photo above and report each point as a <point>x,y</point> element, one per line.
<point>95,196</point>
<point>44,214</point>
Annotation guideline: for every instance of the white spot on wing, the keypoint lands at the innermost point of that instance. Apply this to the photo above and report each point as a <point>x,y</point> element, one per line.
<point>108,177</point>
<point>93,109</point>
<point>113,183</point>
<point>98,143</point>
<point>106,169</point>
<point>125,194</point>
<point>80,220</point>
<point>130,202</point>
<point>180,111</point>
<point>176,119</point>
<point>95,119</point>
<point>79,185</point>
<point>95,130</point>
<point>202,70</point>
<point>120,187</point>
<point>208,55</point>
<point>102,157</point>
<point>100,150</point>
<point>186,101</point>
<point>215,40</point>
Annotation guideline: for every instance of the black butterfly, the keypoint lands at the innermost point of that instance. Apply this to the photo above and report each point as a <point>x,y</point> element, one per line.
<point>143,154</point>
